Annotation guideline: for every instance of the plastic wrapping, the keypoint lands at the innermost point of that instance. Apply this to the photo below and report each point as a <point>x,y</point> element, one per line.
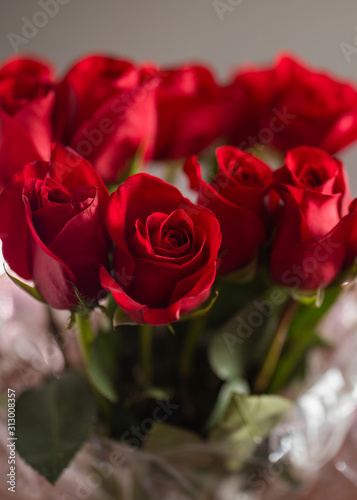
<point>286,466</point>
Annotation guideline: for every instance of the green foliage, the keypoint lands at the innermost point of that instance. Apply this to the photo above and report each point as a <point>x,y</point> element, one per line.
<point>53,422</point>
<point>238,386</point>
<point>227,365</point>
<point>246,421</point>
<point>239,346</point>
<point>302,337</point>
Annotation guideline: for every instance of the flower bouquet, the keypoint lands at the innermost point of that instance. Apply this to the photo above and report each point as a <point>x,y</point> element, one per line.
<point>195,310</point>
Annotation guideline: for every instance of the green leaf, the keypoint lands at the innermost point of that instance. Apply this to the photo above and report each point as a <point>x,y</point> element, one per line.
<point>225,362</point>
<point>103,364</point>
<point>31,290</point>
<point>246,421</point>
<point>165,437</point>
<point>239,386</point>
<point>250,416</point>
<point>53,422</point>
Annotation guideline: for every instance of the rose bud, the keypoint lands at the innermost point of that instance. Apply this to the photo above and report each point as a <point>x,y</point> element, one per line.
<point>106,111</point>
<point>26,104</point>
<point>310,244</point>
<point>237,198</point>
<point>54,232</point>
<point>165,250</point>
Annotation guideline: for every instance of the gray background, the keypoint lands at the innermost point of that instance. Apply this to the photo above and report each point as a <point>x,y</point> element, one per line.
<point>176,30</point>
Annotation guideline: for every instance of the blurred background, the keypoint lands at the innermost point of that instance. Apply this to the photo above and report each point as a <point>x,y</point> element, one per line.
<point>222,33</point>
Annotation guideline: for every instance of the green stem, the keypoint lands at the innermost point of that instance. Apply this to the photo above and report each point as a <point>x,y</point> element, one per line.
<point>57,334</point>
<point>276,347</point>
<point>146,352</point>
<point>191,342</point>
<point>86,335</point>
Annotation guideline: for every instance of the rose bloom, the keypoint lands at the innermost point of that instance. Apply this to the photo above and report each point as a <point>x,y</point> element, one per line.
<point>237,198</point>
<point>165,250</point>
<point>53,232</point>
<point>291,105</point>
<point>191,111</point>
<point>313,228</point>
<point>26,104</point>
<point>106,111</point>
<point>250,93</point>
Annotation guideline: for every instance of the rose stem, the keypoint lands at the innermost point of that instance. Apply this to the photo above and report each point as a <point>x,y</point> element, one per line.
<point>86,335</point>
<point>270,363</point>
<point>57,334</point>
<point>146,351</point>
<point>192,339</point>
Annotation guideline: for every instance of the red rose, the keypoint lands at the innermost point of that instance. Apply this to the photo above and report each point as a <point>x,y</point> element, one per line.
<point>190,112</point>
<point>26,105</point>
<point>236,197</point>
<point>165,250</point>
<point>290,105</point>
<point>310,245</point>
<point>325,108</point>
<point>250,94</point>
<point>106,111</point>
<point>53,231</point>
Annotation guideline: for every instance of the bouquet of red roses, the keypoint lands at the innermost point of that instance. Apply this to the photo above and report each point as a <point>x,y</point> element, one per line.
<point>193,311</point>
